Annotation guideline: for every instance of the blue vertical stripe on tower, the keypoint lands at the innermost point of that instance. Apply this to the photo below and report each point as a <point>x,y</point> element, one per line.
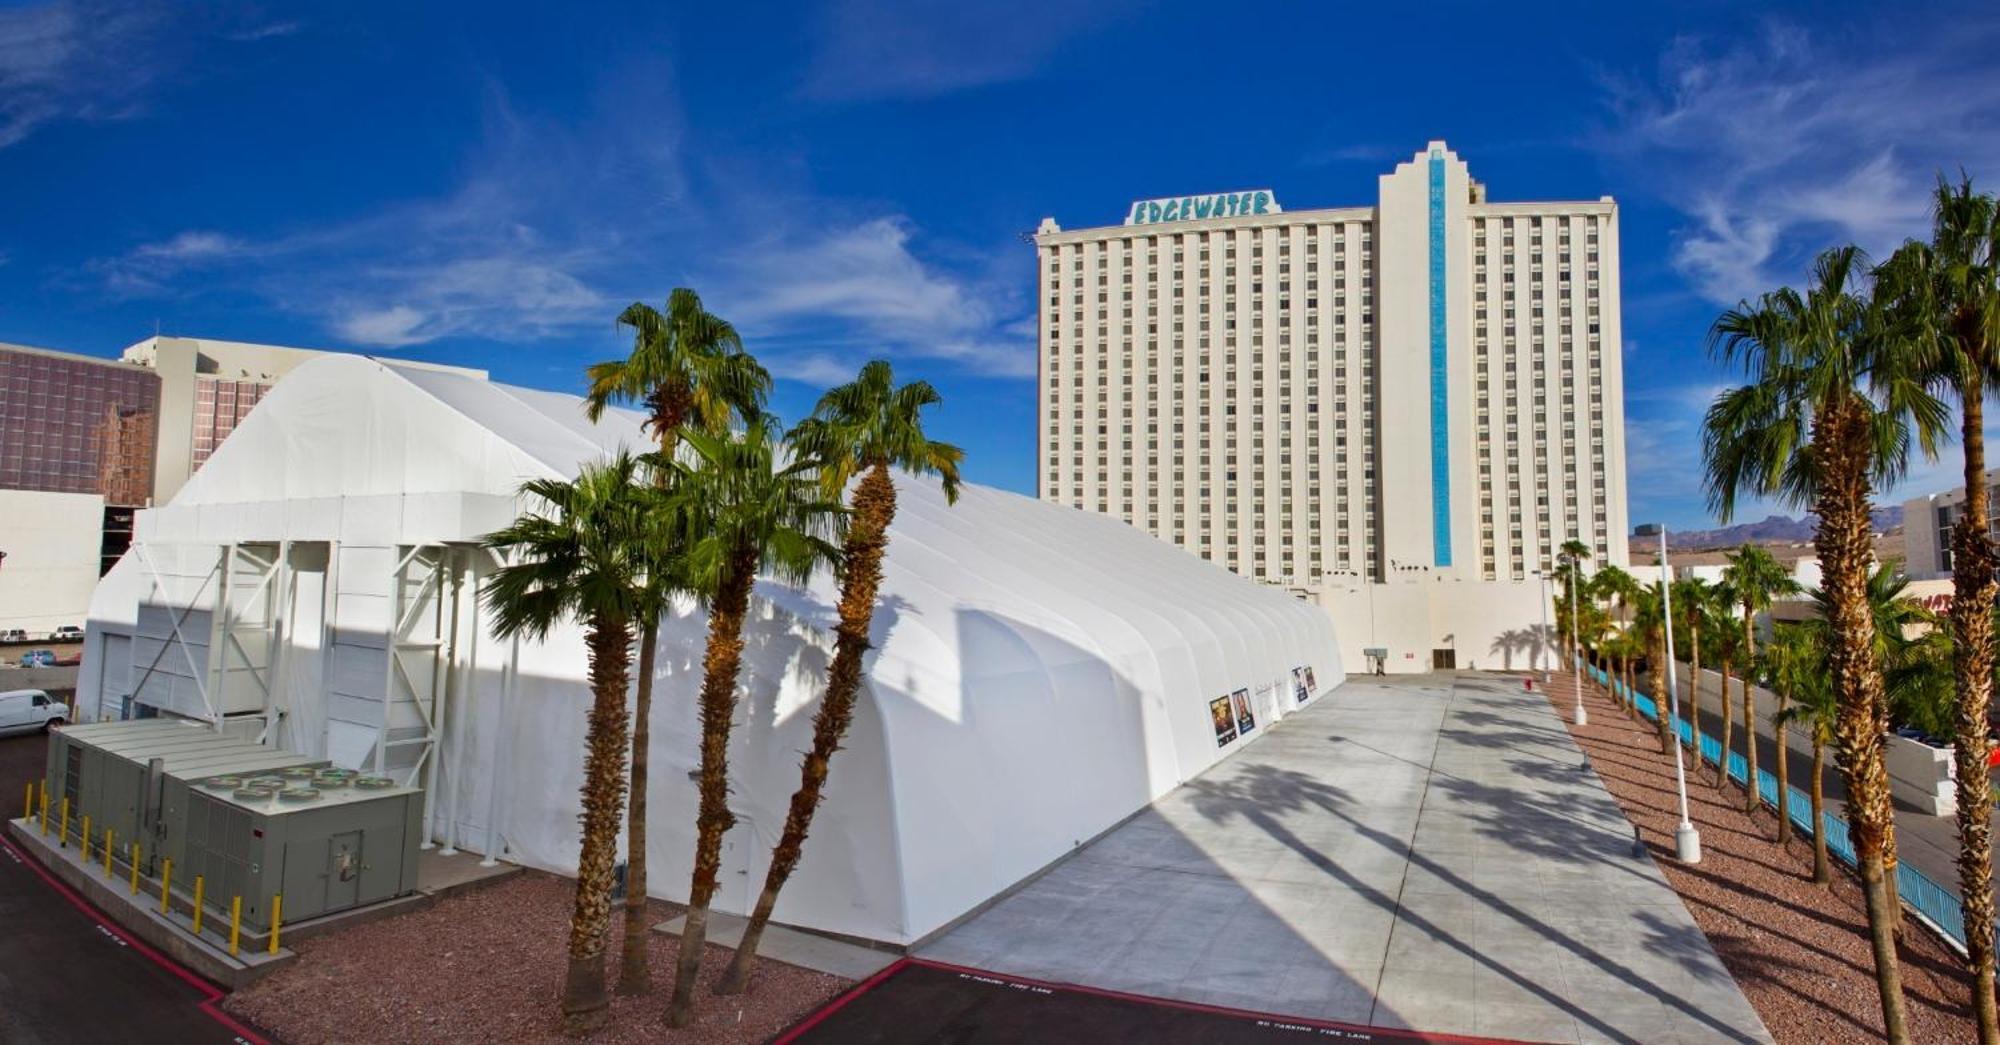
<point>1440,401</point>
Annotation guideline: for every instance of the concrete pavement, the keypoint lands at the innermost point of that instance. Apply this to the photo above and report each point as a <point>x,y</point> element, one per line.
<point>1425,852</point>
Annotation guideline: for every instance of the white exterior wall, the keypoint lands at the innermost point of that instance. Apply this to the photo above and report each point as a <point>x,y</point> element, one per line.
<point>53,542</point>
<point>1134,392</point>
<point>1498,625</point>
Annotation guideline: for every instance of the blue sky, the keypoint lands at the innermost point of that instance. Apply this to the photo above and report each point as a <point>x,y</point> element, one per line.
<point>490,184</point>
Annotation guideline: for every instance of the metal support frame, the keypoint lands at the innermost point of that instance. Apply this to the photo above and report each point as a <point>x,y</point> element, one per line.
<point>406,616</point>
<point>180,639</point>
<point>258,608</point>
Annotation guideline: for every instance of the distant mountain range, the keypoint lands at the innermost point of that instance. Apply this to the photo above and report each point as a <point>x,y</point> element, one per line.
<point>1773,529</point>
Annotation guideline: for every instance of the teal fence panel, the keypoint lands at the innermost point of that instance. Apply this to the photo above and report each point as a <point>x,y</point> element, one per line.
<point>1924,895</point>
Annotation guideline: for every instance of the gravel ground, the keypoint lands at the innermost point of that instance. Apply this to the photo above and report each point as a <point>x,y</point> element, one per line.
<point>487,966</point>
<point>1798,951</point>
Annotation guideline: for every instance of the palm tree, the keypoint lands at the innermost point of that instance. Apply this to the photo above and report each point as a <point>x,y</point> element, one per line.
<point>1621,590</point>
<point>1720,627</point>
<point>1755,578</point>
<point>1623,648</point>
<point>1832,406</point>
<point>1592,624</point>
<point>1616,587</point>
<point>863,429</point>
<point>1569,570</point>
<point>1692,596</point>
<point>1948,295</point>
<point>1649,619</point>
<point>1797,654</point>
<point>689,369</point>
<point>582,554</point>
<point>740,511</point>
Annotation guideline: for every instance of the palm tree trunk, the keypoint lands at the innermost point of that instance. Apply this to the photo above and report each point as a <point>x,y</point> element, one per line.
<point>670,404</point>
<point>1845,545</point>
<point>1784,776</point>
<point>1722,763</point>
<point>634,973</point>
<point>1822,869</point>
<point>1694,689</point>
<point>867,537</point>
<point>1751,800</point>
<point>1974,589</point>
<point>718,706</point>
<point>585,1006</point>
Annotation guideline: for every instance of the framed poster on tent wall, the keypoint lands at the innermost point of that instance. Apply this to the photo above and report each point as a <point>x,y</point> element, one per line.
<point>1300,694</point>
<point>1245,721</point>
<point>1225,721</point>
<point>1266,701</point>
<point>1312,684</point>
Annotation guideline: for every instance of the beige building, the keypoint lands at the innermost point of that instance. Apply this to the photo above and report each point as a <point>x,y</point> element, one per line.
<point>1425,386</point>
<point>85,441</point>
<point>1927,525</point>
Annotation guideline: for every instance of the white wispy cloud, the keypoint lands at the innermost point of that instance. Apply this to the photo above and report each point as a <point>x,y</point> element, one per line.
<point>1778,146</point>
<point>870,49</point>
<point>867,279</point>
<point>558,224</point>
<point>265,31</point>
<point>67,60</point>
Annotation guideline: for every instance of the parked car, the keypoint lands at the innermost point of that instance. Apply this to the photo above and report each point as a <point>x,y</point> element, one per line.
<point>30,710</point>
<point>14,635</point>
<point>70,661</point>
<point>39,658</point>
<point>67,633</point>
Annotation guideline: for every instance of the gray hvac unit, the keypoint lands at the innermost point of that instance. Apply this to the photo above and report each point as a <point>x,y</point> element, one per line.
<point>254,821</point>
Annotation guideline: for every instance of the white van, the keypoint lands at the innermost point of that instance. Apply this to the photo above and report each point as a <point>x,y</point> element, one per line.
<point>29,711</point>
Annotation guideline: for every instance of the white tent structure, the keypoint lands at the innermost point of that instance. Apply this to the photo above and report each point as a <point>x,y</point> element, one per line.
<point>1039,672</point>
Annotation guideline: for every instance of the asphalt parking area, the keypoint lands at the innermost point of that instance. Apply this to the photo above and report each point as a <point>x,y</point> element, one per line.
<point>68,974</point>
<point>918,1001</point>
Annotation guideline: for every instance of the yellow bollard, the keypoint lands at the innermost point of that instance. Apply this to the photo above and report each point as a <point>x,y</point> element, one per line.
<point>62,828</point>
<point>86,838</point>
<point>277,905</point>
<point>108,847</point>
<point>45,812</point>
<point>235,923</point>
<point>166,884</point>
<point>197,905</point>
<point>135,868</point>
<point>28,803</point>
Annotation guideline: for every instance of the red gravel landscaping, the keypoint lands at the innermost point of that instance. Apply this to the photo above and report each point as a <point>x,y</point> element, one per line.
<point>486,966</point>
<point>1799,951</point>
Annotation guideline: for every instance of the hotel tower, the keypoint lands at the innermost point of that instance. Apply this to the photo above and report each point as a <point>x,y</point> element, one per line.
<point>1428,383</point>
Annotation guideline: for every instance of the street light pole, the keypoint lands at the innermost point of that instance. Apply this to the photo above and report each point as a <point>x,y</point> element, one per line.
<point>1576,647</point>
<point>1544,636</point>
<point>1687,839</point>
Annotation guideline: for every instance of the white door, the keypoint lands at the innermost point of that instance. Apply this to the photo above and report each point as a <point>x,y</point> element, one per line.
<point>14,712</point>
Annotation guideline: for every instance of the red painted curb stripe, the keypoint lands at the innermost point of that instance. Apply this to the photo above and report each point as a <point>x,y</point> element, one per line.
<point>839,1003</point>
<point>210,992</point>
<point>1144,999</point>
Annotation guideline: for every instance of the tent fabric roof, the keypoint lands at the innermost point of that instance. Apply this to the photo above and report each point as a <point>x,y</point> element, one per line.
<point>1038,672</point>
